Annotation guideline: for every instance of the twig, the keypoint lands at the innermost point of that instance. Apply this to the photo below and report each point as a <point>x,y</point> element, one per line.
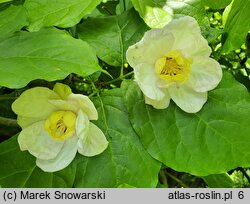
<point>5,98</point>
<point>121,71</point>
<point>163,178</point>
<point>94,93</point>
<point>8,122</point>
<point>176,179</point>
<point>119,78</point>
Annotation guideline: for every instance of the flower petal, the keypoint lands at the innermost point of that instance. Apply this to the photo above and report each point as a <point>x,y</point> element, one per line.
<point>154,45</point>
<point>62,90</point>
<point>37,141</point>
<point>63,159</point>
<point>205,75</point>
<point>26,121</point>
<point>187,99</point>
<point>95,142</point>
<point>86,105</point>
<point>82,125</point>
<point>188,38</point>
<point>33,103</point>
<point>159,104</point>
<point>65,105</point>
<point>76,102</point>
<point>147,80</point>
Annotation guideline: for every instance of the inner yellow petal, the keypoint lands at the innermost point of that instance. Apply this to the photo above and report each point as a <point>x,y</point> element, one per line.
<point>173,67</point>
<point>61,125</point>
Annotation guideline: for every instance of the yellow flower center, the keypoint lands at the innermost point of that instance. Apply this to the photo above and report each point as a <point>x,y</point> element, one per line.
<point>61,125</point>
<point>173,67</point>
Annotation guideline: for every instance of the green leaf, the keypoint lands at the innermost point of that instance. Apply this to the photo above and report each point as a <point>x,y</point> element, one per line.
<point>3,1</point>
<point>193,8</point>
<point>12,19</point>
<point>219,181</point>
<point>240,180</point>
<point>124,185</point>
<point>19,169</point>
<point>108,8</point>
<point>123,5</point>
<point>63,13</point>
<point>212,141</point>
<point>211,34</point>
<point>49,54</point>
<point>111,36</point>
<point>237,26</point>
<point>125,160</point>
<point>157,13</point>
<point>217,4</point>
<point>153,12</point>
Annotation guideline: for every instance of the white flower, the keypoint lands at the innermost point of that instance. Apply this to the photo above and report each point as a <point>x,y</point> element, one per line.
<point>55,125</point>
<point>173,63</point>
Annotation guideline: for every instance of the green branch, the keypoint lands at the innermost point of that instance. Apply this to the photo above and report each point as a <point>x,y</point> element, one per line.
<point>163,177</point>
<point>176,179</point>
<point>8,122</point>
<point>120,78</point>
<point>5,98</point>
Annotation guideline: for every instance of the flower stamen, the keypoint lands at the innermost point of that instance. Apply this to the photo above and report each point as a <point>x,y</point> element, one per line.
<point>61,125</point>
<point>173,67</point>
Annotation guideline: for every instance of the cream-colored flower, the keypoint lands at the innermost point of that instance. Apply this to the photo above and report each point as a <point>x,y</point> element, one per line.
<point>55,125</point>
<point>174,63</point>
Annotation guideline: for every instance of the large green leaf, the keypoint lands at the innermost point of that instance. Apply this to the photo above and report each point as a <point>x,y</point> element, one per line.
<point>193,8</point>
<point>125,160</point>
<point>153,12</point>
<point>12,19</point>
<point>210,34</point>
<point>61,13</point>
<point>219,181</point>
<point>157,13</point>
<point>49,54</point>
<point>216,4</point>
<point>111,36</point>
<point>123,5</point>
<point>237,25</point>
<point>3,1</point>
<point>212,141</point>
<point>18,169</point>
